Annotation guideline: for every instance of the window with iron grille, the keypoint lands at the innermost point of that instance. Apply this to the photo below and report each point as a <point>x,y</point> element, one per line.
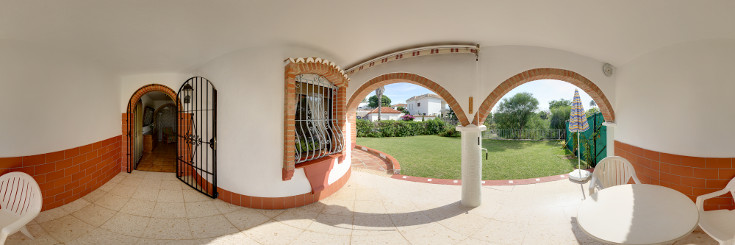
<point>317,131</point>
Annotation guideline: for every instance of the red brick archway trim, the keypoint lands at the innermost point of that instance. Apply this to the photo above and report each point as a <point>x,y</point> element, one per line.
<point>150,88</point>
<point>546,73</point>
<point>317,66</point>
<point>131,106</point>
<point>391,78</point>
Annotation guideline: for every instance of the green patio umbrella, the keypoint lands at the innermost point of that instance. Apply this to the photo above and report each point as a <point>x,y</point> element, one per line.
<point>578,124</point>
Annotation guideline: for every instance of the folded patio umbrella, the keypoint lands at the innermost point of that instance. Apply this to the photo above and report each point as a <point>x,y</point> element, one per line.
<point>578,124</point>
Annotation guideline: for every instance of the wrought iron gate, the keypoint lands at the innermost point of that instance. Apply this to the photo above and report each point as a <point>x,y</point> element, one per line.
<point>196,151</point>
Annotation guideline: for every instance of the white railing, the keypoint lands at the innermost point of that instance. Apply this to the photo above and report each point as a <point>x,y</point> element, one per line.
<point>525,134</point>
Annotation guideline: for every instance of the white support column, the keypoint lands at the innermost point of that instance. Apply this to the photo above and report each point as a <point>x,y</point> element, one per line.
<point>471,164</point>
<point>610,137</point>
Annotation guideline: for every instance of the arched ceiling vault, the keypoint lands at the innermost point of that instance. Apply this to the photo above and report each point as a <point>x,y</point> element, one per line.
<point>175,35</point>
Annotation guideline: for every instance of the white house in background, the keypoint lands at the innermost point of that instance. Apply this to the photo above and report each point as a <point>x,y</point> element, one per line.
<point>386,113</point>
<point>426,104</point>
<point>399,105</point>
<point>361,113</point>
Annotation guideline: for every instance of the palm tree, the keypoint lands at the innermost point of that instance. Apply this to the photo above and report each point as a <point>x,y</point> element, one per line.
<point>379,92</point>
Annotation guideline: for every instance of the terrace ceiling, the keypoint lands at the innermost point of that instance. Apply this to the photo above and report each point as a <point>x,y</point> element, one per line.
<point>134,36</point>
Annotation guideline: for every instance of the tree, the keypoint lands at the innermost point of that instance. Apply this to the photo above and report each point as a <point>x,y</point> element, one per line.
<point>543,115</point>
<point>515,112</point>
<point>593,103</point>
<point>559,116</point>
<point>592,111</point>
<point>559,103</point>
<point>373,101</point>
<point>403,110</point>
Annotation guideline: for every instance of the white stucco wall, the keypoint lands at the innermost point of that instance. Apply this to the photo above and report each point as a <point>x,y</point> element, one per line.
<point>53,100</point>
<point>384,116</point>
<point>428,106</point>
<point>129,84</point>
<point>250,122</point>
<point>679,100</point>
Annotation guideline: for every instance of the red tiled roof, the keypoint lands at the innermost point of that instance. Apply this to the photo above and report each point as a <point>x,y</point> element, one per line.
<point>385,110</point>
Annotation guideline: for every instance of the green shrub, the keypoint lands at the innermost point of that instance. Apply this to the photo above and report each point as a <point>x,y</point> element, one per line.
<point>390,128</point>
<point>450,132</point>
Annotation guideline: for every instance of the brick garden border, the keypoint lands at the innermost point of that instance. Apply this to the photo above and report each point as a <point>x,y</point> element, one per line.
<point>545,73</point>
<point>391,161</point>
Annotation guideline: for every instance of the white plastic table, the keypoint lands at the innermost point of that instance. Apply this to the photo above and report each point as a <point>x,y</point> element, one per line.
<point>637,214</point>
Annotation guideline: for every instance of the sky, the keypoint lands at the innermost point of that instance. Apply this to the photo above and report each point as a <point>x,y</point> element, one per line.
<point>547,90</point>
<point>400,92</point>
<point>543,90</point>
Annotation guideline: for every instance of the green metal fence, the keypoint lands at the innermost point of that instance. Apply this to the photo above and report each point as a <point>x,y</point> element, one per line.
<point>598,143</point>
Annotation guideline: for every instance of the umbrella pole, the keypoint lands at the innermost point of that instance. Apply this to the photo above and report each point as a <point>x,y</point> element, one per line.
<point>579,155</point>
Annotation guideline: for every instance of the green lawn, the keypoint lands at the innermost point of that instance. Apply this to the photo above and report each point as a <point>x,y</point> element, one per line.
<point>439,157</point>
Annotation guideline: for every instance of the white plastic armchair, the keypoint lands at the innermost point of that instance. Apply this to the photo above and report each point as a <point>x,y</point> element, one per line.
<point>20,202</point>
<point>612,171</point>
<point>719,224</point>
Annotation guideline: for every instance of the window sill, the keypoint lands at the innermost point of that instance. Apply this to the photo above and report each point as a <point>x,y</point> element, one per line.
<point>319,160</point>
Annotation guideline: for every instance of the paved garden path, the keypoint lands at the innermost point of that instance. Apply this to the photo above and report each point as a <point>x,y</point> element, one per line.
<point>364,161</point>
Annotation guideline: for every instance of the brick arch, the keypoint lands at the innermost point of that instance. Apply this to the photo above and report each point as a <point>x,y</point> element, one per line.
<point>150,88</point>
<point>391,78</point>
<point>545,73</point>
<point>127,141</point>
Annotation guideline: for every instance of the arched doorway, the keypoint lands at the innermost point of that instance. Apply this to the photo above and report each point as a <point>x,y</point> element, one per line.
<point>391,78</point>
<point>545,73</point>
<point>589,142</point>
<point>139,127</point>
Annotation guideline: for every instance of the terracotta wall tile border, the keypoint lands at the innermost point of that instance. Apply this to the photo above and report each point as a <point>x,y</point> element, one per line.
<point>67,175</point>
<point>282,202</point>
<point>692,176</point>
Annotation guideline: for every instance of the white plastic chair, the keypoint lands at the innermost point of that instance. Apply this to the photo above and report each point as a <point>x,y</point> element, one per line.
<point>20,202</point>
<point>719,224</point>
<point>612,171</point>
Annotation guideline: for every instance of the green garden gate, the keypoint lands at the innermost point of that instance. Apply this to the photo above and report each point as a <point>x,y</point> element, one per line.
<point>598,144</point>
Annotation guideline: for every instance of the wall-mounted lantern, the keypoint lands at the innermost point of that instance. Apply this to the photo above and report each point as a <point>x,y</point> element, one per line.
<point>188,90</point>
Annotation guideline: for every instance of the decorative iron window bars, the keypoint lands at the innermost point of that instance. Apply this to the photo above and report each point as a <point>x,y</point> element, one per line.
<point>317,130</point>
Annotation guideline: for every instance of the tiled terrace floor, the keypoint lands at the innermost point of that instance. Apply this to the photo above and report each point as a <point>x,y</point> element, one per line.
<point>156,208</point>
